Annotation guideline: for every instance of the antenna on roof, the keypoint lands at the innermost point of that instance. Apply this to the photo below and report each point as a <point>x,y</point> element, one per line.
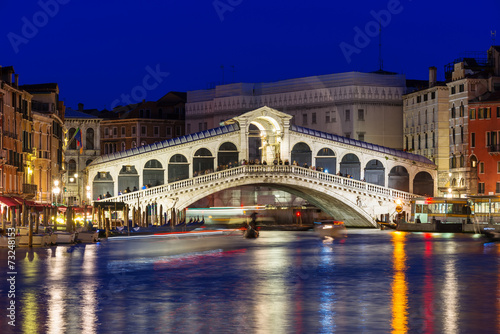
<point>380,61</point>
<point>493,35</point>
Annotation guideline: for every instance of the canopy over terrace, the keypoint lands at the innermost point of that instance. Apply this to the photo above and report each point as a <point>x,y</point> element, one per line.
<point>18,201</point>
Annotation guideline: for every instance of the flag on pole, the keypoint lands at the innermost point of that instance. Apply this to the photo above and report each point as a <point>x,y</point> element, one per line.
<point>78,138</point>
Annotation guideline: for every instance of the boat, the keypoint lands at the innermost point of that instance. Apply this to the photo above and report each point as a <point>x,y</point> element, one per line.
<point>491,236</point>
<point>386,225</point>
<point>330,228</point>
<point>251,233</point>
<point>191,225</point>
<point>86,236</point>
<point>65,237</point>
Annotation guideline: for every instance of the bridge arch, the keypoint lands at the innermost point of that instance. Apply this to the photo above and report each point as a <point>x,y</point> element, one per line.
<point>423,184</point>
<point>178,168</point>
<point>103,183</point>
<point>375,172</point>
<point>203,161</point>
<point>227,154</point>
<point>332,201</point>
<point>153,173</point>
<point>302,154</point>
<point>399,178</point>
<point>327,160</point>
<point>350,165</point>
<point>128,177</point>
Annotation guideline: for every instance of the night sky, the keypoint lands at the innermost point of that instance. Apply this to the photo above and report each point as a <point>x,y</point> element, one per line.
<point>98,50</point>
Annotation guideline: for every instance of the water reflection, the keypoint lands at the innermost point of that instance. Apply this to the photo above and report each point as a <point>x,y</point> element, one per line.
<point>428,286</point>
<point>374,282</point>
<point>57,291</point>
<point>29,312</point>
<point>89,287</point>
<point>399,285</point>
<point>450,292</point>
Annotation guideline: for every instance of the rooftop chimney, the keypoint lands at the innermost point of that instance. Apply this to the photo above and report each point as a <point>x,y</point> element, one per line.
<point>432,76</point>
<point>80,106</point>
<point>16,80</point>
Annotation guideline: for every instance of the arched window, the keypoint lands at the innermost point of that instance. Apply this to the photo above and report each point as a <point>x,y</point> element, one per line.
<point>134,144</point>
<point>71,167</point>
<point>453,114</point>
<point>123,146</point>
<point>89,139</point>
<point>72,144</point>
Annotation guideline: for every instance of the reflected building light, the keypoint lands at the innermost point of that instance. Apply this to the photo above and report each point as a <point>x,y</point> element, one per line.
<point>450,295</point>
<point>273,306</point>
<point>30,313</point>
<point>399,285</point>
<point>56,270</point>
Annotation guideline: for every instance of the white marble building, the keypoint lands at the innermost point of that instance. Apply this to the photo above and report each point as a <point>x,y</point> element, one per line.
<point>362,106</point>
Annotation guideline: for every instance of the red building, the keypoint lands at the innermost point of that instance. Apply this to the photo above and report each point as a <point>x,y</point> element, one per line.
<point>484,142</point>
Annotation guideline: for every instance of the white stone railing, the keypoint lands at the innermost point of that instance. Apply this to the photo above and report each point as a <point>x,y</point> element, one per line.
<point>304,173</point>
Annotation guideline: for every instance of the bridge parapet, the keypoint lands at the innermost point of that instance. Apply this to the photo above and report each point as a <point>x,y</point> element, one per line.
<point>170,190</point>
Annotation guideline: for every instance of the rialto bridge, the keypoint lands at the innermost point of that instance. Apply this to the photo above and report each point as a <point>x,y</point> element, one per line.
<point>351,180</point>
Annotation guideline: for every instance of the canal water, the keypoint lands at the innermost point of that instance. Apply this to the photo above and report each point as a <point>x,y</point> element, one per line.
<point>284,282</point>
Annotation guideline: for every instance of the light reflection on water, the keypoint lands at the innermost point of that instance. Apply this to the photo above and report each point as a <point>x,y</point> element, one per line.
<point>399,287</point>
<point>284,282</point>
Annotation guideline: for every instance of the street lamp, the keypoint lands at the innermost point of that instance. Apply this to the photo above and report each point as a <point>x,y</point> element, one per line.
<point>56,190</point>
<point>449,192</point>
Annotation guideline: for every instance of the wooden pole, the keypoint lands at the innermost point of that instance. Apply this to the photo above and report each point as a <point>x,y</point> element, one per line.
<point>161,214</point>
<point>3,220</point>
<point>68,219</point>
<point>37,221</point>
<point>23,215</point>
<point>106,222</point>
<point>30,229</point>
<point>46,211</point>
<point>54,214</point>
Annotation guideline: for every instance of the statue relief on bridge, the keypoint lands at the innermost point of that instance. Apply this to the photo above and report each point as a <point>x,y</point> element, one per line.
<point>271,152</point>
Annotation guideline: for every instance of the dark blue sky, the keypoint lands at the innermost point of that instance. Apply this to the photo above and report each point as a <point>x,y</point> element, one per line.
<point>98,50</point>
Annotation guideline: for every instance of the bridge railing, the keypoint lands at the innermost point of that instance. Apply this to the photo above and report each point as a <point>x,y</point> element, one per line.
<point>262,169</point>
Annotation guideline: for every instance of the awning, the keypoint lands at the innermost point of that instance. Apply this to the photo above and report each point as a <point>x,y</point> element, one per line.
<point>9,201</point>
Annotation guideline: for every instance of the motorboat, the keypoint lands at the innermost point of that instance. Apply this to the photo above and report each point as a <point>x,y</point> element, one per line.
<point>330,228</point>
<point>86,236</point>
<point>65,237</point>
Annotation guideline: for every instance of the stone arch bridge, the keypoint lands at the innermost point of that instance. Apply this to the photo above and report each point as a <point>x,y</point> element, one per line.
<point>351,180</point>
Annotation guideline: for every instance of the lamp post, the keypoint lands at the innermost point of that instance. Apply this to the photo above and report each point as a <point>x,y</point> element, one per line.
<point>56,190</point>
<point>78,197</point>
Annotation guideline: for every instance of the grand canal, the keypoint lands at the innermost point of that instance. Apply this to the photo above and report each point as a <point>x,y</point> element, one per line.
<point>284,282</point>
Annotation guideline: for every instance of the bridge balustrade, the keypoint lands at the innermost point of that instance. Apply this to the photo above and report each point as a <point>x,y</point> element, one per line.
<point>262,169</point>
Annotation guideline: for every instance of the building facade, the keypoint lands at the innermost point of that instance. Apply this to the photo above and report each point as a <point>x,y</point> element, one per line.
<point>469,78</point>
<point>484,143</point>
<point>362,106</point>
<point>426,125</point>
<point>75,180</point>
<point>143,124</point>
<point>47,140</point>
<point>16,152</point>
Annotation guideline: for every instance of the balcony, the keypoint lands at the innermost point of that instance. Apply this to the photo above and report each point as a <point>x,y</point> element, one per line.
<point>28,150</point>
<point>494,149</point>
<point>29,190</point>
<point>43,154</point>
